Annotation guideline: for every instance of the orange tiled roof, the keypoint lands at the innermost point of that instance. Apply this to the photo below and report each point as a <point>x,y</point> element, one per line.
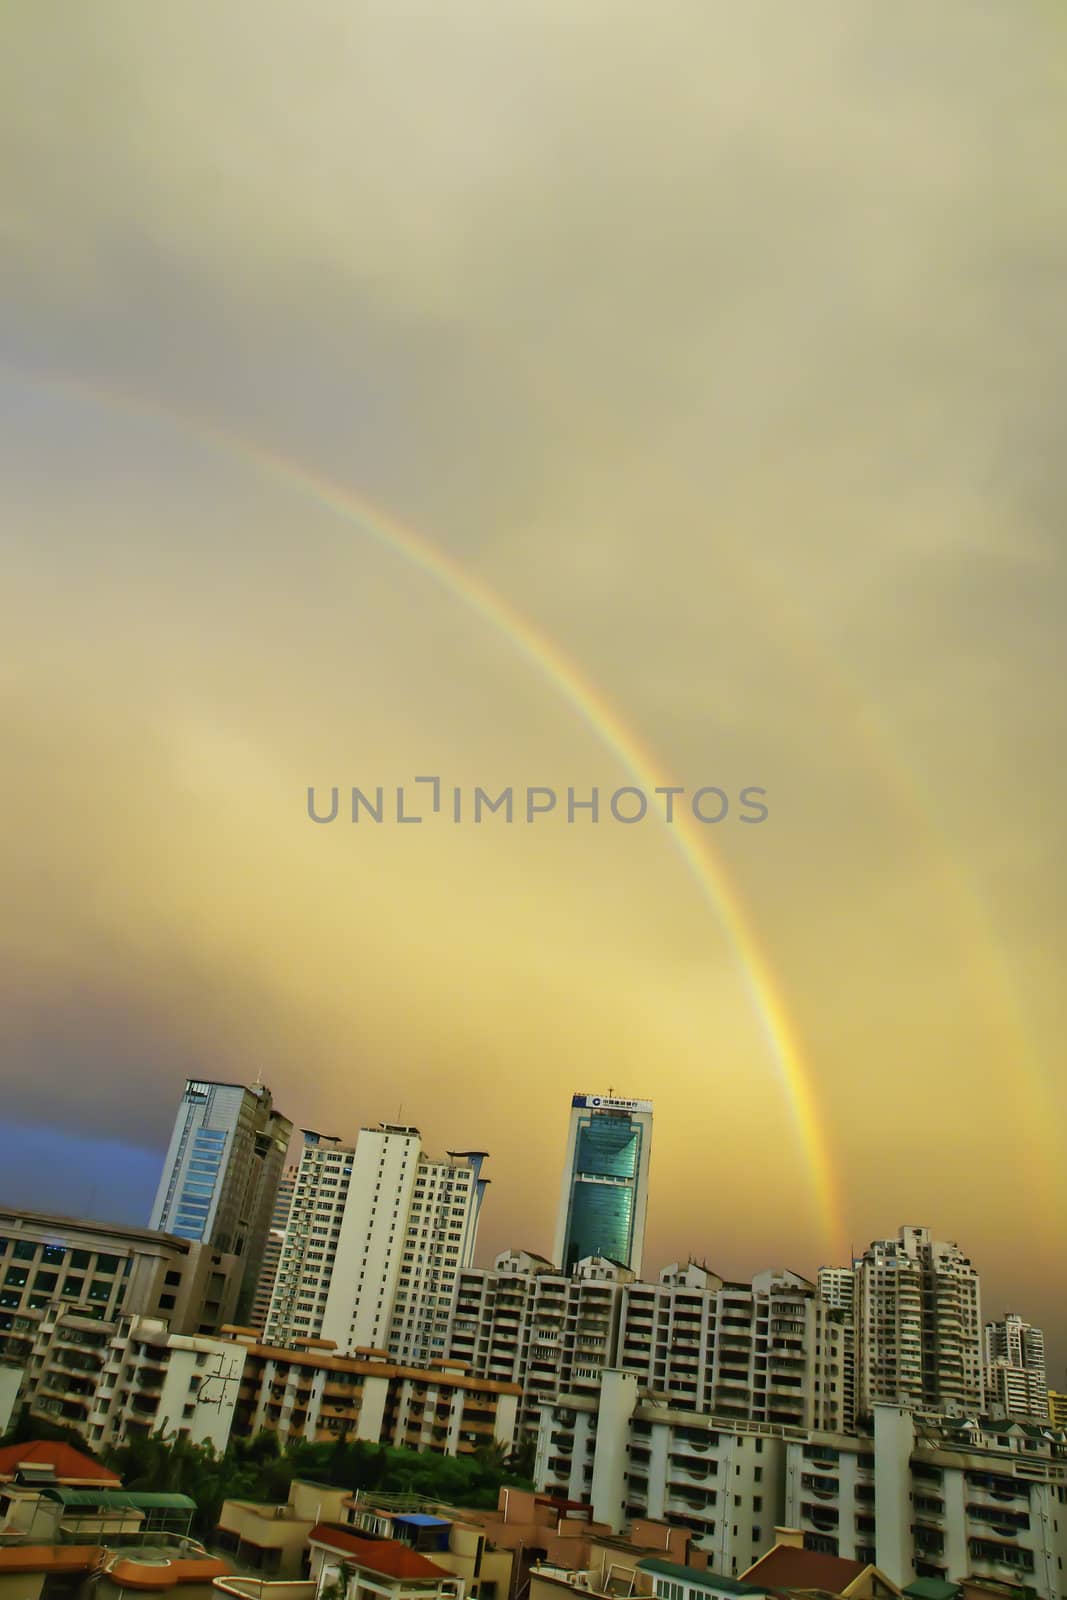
<point>69,1465</point>
<point>387,1556</point>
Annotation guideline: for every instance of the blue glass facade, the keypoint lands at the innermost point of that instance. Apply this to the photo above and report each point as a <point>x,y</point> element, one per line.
<point>202,1172</point>
<point>603,1192</point>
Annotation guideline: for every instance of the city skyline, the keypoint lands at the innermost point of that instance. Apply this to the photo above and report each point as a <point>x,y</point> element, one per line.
<point>535,396</point>
<point>339,1157</point>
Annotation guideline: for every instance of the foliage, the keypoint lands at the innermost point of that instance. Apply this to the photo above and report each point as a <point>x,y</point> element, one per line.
<point>256,1469</point>
<point>27,1427</point>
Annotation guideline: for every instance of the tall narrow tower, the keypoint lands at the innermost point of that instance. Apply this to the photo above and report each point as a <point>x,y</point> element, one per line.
<point>604,1196</point>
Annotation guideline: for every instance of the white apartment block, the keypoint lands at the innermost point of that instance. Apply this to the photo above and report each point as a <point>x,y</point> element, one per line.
<point>398,1240</point>
<point>521,1321</point>
<point>769,1351</point>
<point>631,1457</point>
<point>1016,1378</point>
<point>933,1497</point>
<point>918,1326</point>
<point>309,1244</point>
<point>133,1377</point>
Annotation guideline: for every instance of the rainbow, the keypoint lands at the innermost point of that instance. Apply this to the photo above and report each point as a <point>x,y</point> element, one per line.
<point>592,706</point>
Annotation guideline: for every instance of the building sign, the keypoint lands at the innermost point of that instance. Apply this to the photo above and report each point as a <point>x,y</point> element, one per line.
<point>599,1102</point>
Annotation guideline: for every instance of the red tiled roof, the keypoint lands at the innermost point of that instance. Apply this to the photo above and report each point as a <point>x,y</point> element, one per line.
<point>786,1567</point>
<point>69,1465</point>
<point>387,1556</point>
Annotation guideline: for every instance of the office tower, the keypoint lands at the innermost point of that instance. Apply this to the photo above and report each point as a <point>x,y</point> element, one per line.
<point>221,1174</point>
<point>408,1225</point>
<point>1016,1381</point>
<point>309,1245</point>
<point>604,1194</point>
<point>919,1326</point>
<point>272,1250</point>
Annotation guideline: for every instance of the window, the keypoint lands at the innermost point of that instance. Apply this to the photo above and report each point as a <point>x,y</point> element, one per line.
<point>79,1259</point>
<point>46,1280</point>
<point>73,1287</point>
<point>16,1276</point>
<point>25,1250</point>
<point>99,1290</point>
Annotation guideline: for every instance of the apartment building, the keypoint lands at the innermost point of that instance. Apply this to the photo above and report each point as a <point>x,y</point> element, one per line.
<point>272,1249</point>
<point>631,1457</point>
<point>309,1243</point>
<point>319,1394</point>
<point>101,1270</point>
<point>929,1497</point>
<point>918,1326</point>
<point>1057,1408</point>
<point>837,1289</point>
<point>770,1351</point>
<point>523,1322</point>
<point>407,1229</point>
<point>111,1381</point>
<point>766,1351</point>
<point>1015,1377</point>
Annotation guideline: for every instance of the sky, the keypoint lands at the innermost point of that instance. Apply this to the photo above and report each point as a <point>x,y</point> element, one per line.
<point>544,396</point>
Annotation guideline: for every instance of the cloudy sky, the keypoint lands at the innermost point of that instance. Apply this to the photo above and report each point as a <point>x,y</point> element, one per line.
<point>710,359</point>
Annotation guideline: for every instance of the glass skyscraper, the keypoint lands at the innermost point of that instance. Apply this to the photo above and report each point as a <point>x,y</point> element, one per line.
<point>221,1174</point>
<point>605,1181</point>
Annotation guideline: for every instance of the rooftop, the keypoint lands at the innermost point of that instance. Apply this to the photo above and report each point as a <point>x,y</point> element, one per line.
<point>70,1466</point>
<point>698,1578</point>
<point>388,1557</point>
<point>787,1567</point>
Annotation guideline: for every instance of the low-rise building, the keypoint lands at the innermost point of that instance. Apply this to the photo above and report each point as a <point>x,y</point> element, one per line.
<point>316,1394</point>
<point>273,1539</point>
<point>348,1566</point>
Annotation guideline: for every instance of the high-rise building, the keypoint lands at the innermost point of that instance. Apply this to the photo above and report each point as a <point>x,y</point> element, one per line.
<point>377,1236</point>
<point>272,1250</point>
<point>221,1173</point>
<point>604,1195</point>
<point>766,1352</point>
<point>837,1289</point>
<point>309,1244</point>
<point>1016,1381</point>
<point>918,1326</point>
<point>1057,1408</point>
